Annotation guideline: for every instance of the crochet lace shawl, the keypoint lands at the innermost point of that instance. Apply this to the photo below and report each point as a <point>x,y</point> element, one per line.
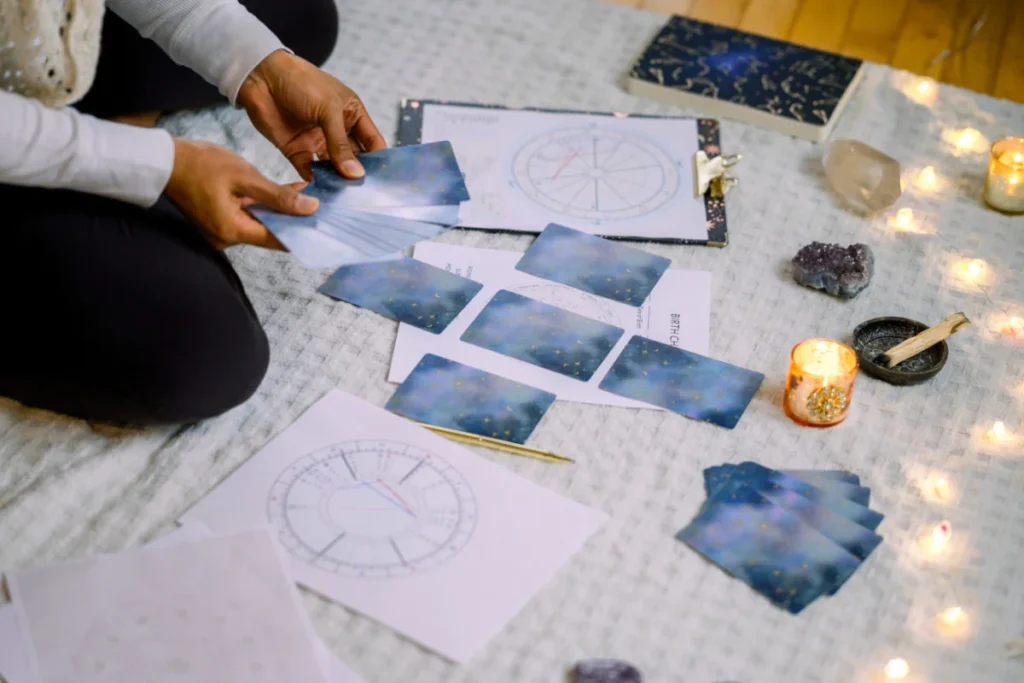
<point>48,48</point>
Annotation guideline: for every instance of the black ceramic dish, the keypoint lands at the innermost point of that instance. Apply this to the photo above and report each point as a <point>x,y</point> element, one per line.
<point>875,337</point>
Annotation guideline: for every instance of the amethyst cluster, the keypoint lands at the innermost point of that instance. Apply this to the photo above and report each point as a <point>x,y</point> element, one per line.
<point>840,271</point>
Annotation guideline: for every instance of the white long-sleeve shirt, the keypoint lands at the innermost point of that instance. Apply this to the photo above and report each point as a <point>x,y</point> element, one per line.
<point>61,148</point>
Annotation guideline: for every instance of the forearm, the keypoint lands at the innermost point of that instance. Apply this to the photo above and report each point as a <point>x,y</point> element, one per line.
<point>218,39</point>
<point>61,148</point>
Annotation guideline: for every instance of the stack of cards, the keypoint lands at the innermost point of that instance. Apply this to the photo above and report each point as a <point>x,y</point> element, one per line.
<point>793,536</point>
<point>408,194</point>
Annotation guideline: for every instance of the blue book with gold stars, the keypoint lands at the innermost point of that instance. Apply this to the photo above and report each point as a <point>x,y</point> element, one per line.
<point>726,73</point>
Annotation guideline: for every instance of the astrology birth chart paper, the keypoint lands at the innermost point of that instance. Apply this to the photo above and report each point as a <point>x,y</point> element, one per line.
<point>678,312</point>
<point>606,175</point>
<point>14,649</point>
<point>179,611</point>
<point>402,525</point>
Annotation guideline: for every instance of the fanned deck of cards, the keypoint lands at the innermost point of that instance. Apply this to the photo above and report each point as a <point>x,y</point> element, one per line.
<point>409,194</point>
<point>791,536</point>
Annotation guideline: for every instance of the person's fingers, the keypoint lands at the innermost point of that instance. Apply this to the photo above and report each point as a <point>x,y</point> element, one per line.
<point>356,146</point>
<point>303,163</point>
<point>281,198</point>
<point>365,131</point>
<point>251,231</point>
<point>341,153</point>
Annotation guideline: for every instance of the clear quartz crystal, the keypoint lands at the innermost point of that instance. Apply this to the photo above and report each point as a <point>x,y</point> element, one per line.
<point>866,178</point>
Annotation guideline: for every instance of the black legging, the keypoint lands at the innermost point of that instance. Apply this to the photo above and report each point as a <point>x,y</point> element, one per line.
<point>121,314</point>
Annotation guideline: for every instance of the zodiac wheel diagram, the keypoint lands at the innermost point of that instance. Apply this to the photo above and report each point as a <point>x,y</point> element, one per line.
<point>595,174</point>
<point>372,509</point>
<point>570,299</point>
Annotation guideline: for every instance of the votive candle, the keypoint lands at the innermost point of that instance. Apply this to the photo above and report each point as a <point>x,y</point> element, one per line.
<point>1004,185</point>
<point>820,382</point>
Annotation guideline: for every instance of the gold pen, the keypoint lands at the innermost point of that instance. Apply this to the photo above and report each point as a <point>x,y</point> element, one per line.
<point>496,444</point>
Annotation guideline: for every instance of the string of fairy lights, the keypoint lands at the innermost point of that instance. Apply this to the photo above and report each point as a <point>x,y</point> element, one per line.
<point>976,275</point>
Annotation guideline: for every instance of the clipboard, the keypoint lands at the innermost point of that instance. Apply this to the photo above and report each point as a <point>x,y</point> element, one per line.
<point>528,163</point>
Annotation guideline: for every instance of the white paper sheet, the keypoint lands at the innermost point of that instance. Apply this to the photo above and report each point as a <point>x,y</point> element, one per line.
<point>402,525</point>
<point>678,312</point>
<point>606,175</point>
<point>222,609</point>
<point>14,652</point>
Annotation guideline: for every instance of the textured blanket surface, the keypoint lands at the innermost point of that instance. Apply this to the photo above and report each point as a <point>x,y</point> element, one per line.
<point>68,489</point>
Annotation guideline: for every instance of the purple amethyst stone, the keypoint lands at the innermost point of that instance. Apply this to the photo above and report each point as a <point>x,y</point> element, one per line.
<point>840,271</point>
<point>605,671</point>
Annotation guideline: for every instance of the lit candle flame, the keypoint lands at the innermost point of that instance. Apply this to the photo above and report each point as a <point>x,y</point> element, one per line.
<point>1018,158</point>
<point>897,669</point>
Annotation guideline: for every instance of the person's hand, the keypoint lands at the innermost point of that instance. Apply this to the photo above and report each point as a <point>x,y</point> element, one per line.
<point>213,185</point>
<point>305,111</point>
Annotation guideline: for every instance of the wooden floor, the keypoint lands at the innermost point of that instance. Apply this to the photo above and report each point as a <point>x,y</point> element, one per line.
<point>908,34</point>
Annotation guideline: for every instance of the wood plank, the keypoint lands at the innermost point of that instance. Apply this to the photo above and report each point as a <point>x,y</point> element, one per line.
<point>977,65</point>
<point>682,7</point>
<point>928,29</point>
<point>772,18</point>
<point>1010,78</point>
<point>873,29</point>
<point>822,23</point>
<point>724,12</point>
<point>627,3</point>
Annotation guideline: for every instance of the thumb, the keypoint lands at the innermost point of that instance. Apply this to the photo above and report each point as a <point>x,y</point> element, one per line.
<point>280,198</point>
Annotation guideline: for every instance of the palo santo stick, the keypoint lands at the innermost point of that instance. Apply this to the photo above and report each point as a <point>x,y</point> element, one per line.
<point>925,340</point>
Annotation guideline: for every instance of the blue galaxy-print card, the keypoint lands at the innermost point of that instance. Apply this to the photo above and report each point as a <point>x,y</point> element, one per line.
<point>847,534</point>
<point>448,394</point>
<point>415,175</point>
<point>405,290</point>
<point>593,264</point>
<point>715,477</point>
<point>446,214</point>
<point>543,335</point>
<point>768,548</point>
<point>811,476</point>
<point>686,383</point>
<point>858,494</point>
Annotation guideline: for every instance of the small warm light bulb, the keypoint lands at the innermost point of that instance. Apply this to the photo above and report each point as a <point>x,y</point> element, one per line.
<point>923,88</point>
<point>975,268</point>
<point>904,217</point>
<point>927,177</point>
<point>941,535</point>
<point>1014,328</point>
<point>998,431</point>
<point>897,669</point>
<point>968,138</point>
<point>942,488</point>
<point>952,616</point>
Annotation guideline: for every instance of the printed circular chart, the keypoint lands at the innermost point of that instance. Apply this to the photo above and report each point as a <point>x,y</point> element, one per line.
<point>570,299</point>
<point>595,174</point>
<point>372,509</point>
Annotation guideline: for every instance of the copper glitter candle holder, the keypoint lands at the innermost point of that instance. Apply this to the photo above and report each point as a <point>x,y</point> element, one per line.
<point>819,385</point>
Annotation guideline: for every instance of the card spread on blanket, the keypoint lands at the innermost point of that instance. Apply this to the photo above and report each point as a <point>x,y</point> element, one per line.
<point>448,394</point>
<point>785,537</point>
<point>405,290</point>
<point>593,264</point>
<point>542,334</point>
<point>767,547</point>
<point>409,194</point>
<point>677,312</point>
<point>15,653</point>
<point>401,524</point>
<point>220,609</point>
<point>686,383</point>
<point>836,499</point>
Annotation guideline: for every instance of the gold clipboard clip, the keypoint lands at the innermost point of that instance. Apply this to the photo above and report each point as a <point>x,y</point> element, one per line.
<point>713,174</point>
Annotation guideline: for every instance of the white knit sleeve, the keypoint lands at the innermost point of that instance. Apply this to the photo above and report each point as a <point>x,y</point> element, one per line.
<point>61,148</point>
<point>218,39</point>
